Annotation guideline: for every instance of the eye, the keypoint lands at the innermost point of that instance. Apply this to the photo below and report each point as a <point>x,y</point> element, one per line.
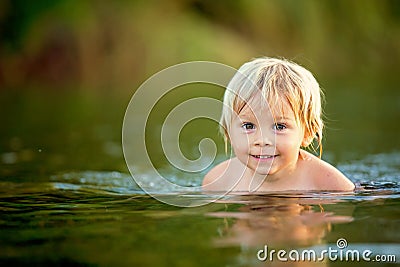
<point>248,126</point>
<point>279,126</point>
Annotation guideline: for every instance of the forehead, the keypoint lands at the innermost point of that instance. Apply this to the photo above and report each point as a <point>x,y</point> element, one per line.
<point>258,105</point>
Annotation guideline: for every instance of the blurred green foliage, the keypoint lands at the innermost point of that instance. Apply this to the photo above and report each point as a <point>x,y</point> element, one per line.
<point>118,44</point>
<point>91,55</point>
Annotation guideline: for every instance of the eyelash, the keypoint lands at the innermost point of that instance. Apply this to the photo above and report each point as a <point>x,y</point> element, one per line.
<point>244,126</point>
<point>280,126</point>
<point>276,127</point>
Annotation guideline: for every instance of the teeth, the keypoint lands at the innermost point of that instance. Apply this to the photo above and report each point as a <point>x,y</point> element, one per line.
<point>263,157</point>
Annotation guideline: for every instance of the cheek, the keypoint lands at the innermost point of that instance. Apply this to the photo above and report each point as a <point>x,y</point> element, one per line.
<point>239,142</point>
<point>289,142</point>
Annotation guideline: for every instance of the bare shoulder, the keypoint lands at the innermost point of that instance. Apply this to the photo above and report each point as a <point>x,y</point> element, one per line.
<point>216,173</point>
<point>327,177</point>
<point>224,176</point>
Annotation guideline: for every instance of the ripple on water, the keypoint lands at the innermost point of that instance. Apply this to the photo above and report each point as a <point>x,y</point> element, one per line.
<point>377,174</point>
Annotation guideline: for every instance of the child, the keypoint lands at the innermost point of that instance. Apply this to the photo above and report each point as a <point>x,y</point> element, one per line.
<point>272,108</point>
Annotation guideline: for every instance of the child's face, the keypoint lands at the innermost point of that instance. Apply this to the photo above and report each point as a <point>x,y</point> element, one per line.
<point>265,145</point>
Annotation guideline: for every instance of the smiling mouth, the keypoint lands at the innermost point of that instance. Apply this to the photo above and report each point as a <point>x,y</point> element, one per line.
<point>264,156</point>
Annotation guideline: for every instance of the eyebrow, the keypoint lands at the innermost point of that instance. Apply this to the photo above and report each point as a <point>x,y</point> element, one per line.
<point>284,118</point>
<point>245,117</point>
<point>251,116</point>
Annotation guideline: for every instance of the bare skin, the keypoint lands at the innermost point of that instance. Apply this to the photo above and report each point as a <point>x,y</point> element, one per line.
<point>311,174</point>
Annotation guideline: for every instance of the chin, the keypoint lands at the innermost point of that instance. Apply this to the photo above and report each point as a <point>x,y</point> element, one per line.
<point>263,171</point>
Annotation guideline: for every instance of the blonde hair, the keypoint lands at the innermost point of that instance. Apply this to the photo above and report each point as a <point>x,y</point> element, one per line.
<point>277,79</point>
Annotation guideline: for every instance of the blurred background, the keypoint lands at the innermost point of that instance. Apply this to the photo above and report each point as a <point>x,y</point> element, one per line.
<point>69,68</point>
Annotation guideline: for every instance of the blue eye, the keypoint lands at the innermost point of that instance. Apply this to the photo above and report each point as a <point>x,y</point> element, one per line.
<point>279,126</point>
<point>248,126</point>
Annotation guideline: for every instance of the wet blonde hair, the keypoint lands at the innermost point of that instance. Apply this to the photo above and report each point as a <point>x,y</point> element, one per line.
<point>278,80</point>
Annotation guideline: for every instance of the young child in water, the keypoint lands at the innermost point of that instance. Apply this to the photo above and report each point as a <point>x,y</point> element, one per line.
<point>272,109</point>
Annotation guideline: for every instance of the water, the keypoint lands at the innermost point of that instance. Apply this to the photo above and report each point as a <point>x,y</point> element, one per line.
<point>103,219</point>
<point>66,198</point>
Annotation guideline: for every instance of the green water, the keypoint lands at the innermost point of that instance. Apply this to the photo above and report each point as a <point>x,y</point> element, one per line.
<point>52,225</point>
<point>67,199</point>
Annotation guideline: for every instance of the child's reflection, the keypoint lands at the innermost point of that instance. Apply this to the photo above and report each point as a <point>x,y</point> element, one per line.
<point>278,222</point>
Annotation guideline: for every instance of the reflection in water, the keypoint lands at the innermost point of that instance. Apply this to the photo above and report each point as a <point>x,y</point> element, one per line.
<point>278,222</point>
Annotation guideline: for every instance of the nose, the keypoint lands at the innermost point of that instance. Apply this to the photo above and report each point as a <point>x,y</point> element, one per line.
<point>262,138</point>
